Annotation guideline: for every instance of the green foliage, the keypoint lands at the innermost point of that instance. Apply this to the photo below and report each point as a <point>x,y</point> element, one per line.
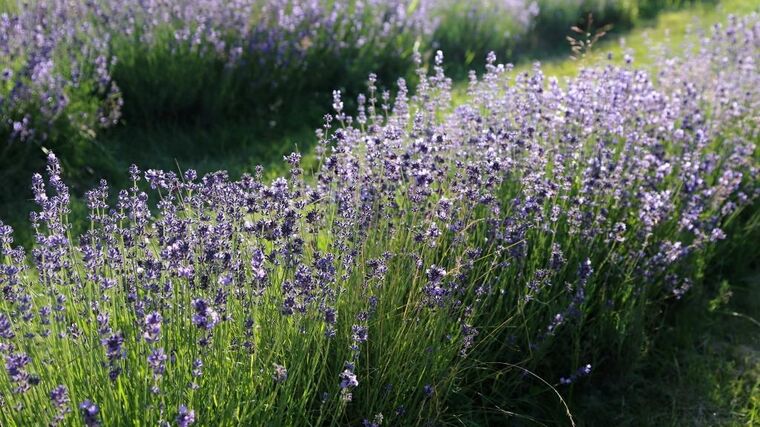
<point>701,365</point>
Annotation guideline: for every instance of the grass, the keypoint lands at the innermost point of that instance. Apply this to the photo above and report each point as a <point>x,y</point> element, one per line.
<point>702,367</point>
<point>668,29</point>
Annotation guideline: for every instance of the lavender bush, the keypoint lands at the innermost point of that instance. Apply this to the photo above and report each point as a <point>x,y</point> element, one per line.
<point>54,52</point>
<point>214,60</point>
<point>436,252</point>
<point>46,91</point>
<point>67,67</point>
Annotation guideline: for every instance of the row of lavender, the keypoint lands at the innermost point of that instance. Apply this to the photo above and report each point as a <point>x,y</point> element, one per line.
<point>437,253</point>
<point>70,69</point>
<point>58,57</point>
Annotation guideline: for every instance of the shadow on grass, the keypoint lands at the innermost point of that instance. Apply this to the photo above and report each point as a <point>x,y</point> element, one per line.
<point>702,366</point>
<point>237,147</point>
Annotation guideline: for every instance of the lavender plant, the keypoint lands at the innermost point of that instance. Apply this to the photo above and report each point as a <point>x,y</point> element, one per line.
<point>67,67</point>
<point>211,59</point>
<point>59,57</point>
<point>47,90</point>
<point>432,250</point>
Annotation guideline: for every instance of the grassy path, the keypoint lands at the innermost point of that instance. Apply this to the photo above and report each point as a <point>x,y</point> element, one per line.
<point>668,30</point>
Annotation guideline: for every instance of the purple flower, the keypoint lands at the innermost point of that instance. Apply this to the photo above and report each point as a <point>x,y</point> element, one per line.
<point>225,279</point>
<point>331,315</point>
<point>89,412</point>
<point>157,361</point>
<point>428,389</point>
<point>6,329</point>
<point>113,345</point>
<point>435,273</point>
<point>581,372</point>
<point>468,338</point>
<point>359,333</point>
<point>257,265</point>
<point>114,351</point>
<point>377,421</point>
<point>191,175</point>
<point>15,365</point>
<point>185,417</point>
<point>197,368</point>
<point>717,234</point>
<point>152,327</point>
<point>280,373</point>
<point>59,396</point>
<point>348,379</point>
<point>205,317</point>
<point>584,271</point>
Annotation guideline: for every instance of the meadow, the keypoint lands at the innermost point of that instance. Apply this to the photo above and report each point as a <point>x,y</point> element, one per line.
<point>561,244</point>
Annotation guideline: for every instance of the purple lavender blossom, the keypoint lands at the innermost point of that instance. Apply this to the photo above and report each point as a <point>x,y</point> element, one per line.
<point>152,327</point>
<point>280,373</point>
<point>6,329</point>
<point>428,390</point>
<point>114,352</point>
<point>348,379</point>
<point>377,421</point>
<point>59,396</point>
<point>205,317</point>
<point>15,365</point>
<point>113,345</point>
<point>157,361</point>
<point>583,371</point>
<point>185,417</point>
<point>89,412</point>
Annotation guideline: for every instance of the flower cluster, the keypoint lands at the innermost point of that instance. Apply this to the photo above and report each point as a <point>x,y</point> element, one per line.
<point>583,371</point>
<point>54,61</point>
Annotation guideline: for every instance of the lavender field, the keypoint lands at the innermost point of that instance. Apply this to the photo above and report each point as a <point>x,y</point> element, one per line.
<point>494,247</point>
